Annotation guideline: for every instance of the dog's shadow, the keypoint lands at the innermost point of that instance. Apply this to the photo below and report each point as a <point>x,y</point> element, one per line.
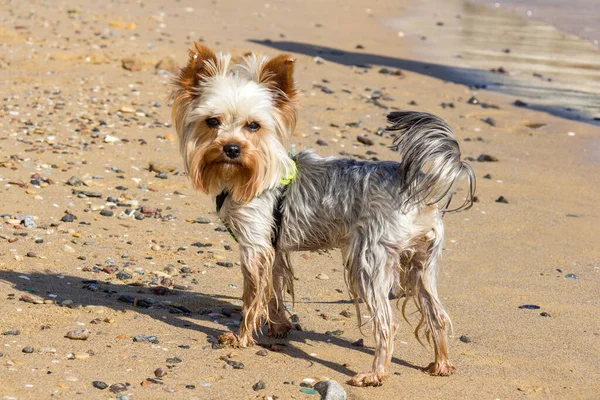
<point>189,309</point>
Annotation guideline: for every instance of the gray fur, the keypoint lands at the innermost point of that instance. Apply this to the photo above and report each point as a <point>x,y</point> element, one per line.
<point>385,216</point>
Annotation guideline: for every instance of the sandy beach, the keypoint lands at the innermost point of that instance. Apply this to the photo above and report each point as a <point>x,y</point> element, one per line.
<point>101,230</point>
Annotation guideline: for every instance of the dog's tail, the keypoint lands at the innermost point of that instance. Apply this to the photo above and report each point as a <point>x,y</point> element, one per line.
<point>431,165</point>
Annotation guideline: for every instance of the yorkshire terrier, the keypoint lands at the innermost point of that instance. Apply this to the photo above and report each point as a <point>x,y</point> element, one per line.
<point>234,122</point>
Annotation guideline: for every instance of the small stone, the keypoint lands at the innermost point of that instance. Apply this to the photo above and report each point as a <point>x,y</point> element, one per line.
<point>336,333</point>
<point>161,167</point>
<point>12,332</point>
<point>27,349</point>
<point>160,372</point>
<point>545,314</point>
<point>28,222</point>
<point>322,277</point>
<point>486,158</point>
<point>78,334</point>
<point>490,121</point>
<point>74,181</point>
<point>473,100</point>
<point>68,218</point>
<point>262,353</point>
<point>571,276</point>
<point>308,390</point>
<point>162,175</point>
<point>99,385</point>
<point>202,220</point>
<point>346,313</point>
<point>330,390</point>
<point>127,109</point>
<point>365,140</point>
<point>225,264</point>
<point>487,176</point>
<point>502,199</point>
<point>318,60</point>
<point>67,303</point>
<point>530,307</point>
<point>465,339</point>
<point>359,343</point>
<point>106,213</point>
<point>118,387</point>
<point>520,103</point>
<point>123,275</point>
<point>321,142</point>
<point>133,64</point>
<point>260,385</point>
<point>174,360</point>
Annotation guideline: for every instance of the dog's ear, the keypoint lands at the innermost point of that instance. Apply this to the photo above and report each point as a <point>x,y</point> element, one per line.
<point>201,64</point>
<point>279,73</point>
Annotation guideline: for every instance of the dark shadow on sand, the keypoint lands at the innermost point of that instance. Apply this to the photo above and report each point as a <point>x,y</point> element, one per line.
<point>472,77</point>
<point>190,310</point>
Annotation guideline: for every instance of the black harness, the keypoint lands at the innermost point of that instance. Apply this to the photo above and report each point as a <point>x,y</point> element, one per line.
<point>277,214</point>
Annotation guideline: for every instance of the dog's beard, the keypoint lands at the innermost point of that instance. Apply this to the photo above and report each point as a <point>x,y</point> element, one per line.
<point>212,172</point>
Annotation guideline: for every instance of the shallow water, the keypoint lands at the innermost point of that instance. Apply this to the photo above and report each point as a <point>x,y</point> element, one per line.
<point>549,69</point>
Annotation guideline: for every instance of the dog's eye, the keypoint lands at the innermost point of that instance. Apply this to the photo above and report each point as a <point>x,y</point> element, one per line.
<point>253,126</point>
<point>213,122</point>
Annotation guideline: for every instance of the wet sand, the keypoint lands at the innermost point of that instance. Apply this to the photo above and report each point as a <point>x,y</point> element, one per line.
<point>68,108</point>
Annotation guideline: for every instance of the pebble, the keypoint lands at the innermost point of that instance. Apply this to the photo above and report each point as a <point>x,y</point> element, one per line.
<point>318,60</point>
<point>490,121</point>
<point>330,390</point>
<point>68,218</point>
<point>28,222</point>
<point>106,213</point>
<point>78,334</point>
<point>502,199</point>
<point>12,332</point>
<point>74,181</point>
<point>260,385</point>
<point>571,276</point>
<point>465,339</point>
<point>118,387</point>
<point>359,343</point>
<point>160,372</point>
<point>161,167</point>
<point>322,277</point>
<point>545,314</point>
<point>27,349</point>
<point>337,332</point>
<point>530,307</point>
<point>321,142</point>
<point>365,140</point>
<point>145,339</point>
<point>262,353</point>
<point>308,390</point>
<point>174,360</point>
<point>486,158</point>
<point>133,64</point>
<point>99,385</point>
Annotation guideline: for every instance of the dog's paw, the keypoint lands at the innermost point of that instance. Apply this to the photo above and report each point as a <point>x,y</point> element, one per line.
<point>368,379</point>
<point>279,331</point>
<point>441,368</point>
<point>229,339</point>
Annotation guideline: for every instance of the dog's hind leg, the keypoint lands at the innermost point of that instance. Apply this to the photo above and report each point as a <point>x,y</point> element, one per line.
<point>420,281</point>
<point>283,279</point>
<point>370,276</point>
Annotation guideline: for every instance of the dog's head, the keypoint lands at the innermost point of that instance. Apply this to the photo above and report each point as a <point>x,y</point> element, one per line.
<point>233,122</point>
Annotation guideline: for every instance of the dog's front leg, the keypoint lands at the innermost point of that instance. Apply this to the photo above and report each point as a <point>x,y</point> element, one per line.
<point>258,288</point>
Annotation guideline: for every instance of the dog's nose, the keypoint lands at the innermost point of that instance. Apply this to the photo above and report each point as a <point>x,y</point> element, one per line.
<point>232,150</point>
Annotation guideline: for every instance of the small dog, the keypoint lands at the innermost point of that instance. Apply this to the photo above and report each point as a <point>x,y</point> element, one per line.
<point>233,124</point>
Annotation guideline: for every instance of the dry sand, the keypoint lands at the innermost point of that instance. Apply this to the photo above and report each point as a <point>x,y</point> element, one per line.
<point>62,89</point>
